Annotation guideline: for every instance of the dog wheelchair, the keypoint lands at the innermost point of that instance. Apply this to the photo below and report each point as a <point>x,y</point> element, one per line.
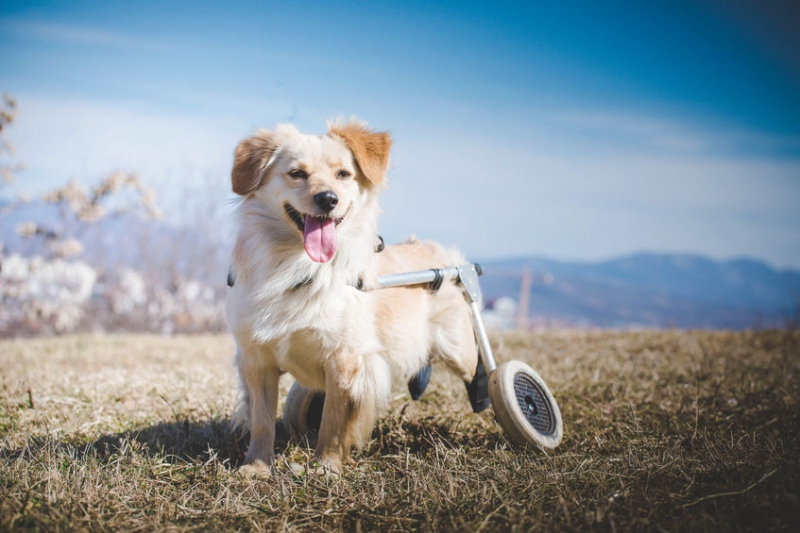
<point>523,405</point>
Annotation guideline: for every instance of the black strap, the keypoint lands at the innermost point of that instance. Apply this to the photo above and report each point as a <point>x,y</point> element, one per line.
<point>436,284</point>
<point>303,282</point>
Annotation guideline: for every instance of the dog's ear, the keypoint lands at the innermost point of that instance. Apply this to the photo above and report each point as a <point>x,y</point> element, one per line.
<point>251,160</point>
<point>370,148</point>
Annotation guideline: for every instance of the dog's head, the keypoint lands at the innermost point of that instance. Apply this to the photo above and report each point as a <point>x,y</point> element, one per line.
<point>315,182</point>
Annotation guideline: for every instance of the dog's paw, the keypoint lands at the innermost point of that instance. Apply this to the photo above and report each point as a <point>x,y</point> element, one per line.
<point>329,469</point>
<point>296,469</point>
<point>256,469</point>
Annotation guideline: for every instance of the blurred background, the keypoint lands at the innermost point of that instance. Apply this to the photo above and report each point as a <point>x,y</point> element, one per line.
<point>616,164</point>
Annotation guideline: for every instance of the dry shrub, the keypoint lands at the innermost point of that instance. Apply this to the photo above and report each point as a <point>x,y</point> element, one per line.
<point>70,278</point>
<point>41,296</point>
<point>8,114</point>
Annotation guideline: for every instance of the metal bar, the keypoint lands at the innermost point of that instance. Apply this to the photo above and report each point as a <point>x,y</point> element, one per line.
<point>483,339</point>
<point>468,274</point>
<point>416,278</point>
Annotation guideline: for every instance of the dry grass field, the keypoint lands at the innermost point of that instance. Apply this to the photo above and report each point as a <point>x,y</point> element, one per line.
<point>664,431</point>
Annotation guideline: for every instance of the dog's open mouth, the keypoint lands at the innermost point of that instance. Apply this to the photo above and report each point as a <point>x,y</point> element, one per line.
<point>319,233</point>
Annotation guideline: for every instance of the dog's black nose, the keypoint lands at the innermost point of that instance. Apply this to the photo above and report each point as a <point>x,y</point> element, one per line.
<point>326,200</point>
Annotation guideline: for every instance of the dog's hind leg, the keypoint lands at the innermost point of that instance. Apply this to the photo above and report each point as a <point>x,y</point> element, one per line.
<point>454,340</point>
<point>478,389</point>
<point>419,382</point>
<point>260,380</point>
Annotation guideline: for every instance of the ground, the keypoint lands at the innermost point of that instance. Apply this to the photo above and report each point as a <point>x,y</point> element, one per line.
<point>663,431</point>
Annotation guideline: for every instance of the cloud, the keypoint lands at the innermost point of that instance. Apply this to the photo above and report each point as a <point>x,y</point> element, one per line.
<point>495,200</point>
<point>674,135</point>
<point>645,130</point>
<point>61,139</point>
<point>77,35</point>
<point>559,196</point>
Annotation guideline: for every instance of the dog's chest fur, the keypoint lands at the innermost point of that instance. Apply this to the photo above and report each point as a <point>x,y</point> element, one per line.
<point>298,313</point>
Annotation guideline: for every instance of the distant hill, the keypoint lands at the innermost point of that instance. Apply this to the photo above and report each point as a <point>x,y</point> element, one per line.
<point>650,290</point>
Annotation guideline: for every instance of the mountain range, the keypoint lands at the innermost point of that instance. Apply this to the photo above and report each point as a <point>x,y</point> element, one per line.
<point>648,290</point>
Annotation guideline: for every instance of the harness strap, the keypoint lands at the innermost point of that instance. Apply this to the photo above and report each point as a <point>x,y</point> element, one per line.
<point>302,283</point>
<point>436,284</point>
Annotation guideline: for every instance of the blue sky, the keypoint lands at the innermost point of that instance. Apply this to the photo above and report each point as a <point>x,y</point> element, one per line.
<point>576,130</point>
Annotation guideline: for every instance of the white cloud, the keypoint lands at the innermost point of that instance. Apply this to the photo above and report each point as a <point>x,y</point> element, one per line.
<point>495,201</point>
<point>556,196</point>
<point>652,131</point>
<point>671,134</point>
<point>81,35</point>
<point>58,139</point>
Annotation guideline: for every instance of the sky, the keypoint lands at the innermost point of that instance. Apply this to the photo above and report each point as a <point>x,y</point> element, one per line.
<point>573,130</point>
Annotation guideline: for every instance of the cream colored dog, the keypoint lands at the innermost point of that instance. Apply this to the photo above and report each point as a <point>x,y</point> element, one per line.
<point>304,261</point>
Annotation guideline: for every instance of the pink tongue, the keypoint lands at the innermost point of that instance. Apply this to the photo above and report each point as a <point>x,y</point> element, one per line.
<point>320,240</point>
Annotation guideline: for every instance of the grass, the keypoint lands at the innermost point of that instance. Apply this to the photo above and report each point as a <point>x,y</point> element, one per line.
<point>664,431</point>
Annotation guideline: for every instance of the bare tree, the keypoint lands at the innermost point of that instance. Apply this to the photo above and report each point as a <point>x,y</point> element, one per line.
<point>8,113</point>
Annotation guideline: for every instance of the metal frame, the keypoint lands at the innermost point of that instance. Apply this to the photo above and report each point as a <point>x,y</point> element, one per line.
<point>467,275</point>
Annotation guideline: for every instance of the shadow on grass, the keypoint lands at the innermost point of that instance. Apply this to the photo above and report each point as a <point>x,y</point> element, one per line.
<point>181,441</point>
<point>185,441</point>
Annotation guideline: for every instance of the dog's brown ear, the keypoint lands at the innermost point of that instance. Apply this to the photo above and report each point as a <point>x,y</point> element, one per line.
<point>250,162</point>
<point>370,148</point>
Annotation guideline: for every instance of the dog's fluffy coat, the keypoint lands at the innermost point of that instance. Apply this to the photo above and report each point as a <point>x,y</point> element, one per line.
<point>302,307</point>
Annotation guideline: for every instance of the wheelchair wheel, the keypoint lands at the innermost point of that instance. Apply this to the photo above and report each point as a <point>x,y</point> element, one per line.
<point>302,412</point>
<point>524,406</point>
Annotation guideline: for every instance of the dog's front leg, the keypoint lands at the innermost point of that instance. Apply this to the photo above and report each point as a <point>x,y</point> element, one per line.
<point>260,380</point>
<point>352,389</point>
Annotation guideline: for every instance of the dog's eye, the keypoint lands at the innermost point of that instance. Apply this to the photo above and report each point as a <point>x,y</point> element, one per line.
<point>298,174</point>
<point>343,174</point>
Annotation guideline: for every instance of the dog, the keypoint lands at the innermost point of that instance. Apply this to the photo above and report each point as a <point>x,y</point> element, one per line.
<point>302,300</point>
